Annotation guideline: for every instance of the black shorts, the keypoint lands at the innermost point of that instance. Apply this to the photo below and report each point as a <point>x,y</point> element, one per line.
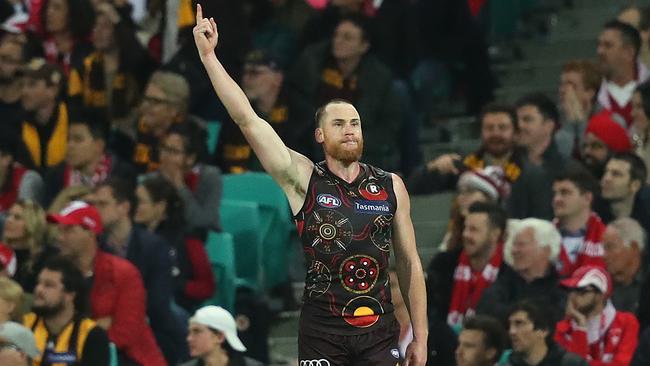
<point>376,348</point>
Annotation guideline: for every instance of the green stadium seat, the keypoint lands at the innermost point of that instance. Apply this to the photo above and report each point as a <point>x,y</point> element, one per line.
<point>221,253</point>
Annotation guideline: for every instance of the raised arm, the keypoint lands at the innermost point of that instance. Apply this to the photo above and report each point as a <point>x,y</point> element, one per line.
<point>410,275</point>
<point>290,169</point>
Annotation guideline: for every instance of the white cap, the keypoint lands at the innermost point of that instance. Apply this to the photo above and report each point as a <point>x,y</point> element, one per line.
<point>218,318</point>
<point>20,336</point>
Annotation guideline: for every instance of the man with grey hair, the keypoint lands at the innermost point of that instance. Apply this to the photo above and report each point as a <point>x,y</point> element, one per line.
<point>165,102</point>
<point>624,244</point>
<point>530,251</point>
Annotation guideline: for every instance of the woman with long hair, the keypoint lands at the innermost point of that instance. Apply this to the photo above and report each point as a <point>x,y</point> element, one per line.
<point>161,210</point>
<point>25,231</point>
<point>11,300</point>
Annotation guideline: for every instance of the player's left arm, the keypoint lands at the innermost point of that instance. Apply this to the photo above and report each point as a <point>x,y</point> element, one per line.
<point>410,274</point>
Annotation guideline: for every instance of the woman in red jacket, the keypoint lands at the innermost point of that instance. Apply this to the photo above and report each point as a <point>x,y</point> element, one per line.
<point>160,209</point>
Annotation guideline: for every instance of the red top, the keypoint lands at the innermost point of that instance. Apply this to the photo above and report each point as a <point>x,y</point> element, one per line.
<point>615,348</point>
<point>118,293</point>
<point>9,197</point>
<point>201,284</point>
<point>591,251</point>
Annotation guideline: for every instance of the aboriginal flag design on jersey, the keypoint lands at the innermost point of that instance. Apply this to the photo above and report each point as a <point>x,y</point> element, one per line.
<point>345,230</point>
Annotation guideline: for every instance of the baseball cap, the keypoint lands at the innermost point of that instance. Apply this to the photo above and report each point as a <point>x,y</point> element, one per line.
<point>7,259</point>
<point>79,213</point>
<point>19,336</point>
<point>589,276</point>
<point>263,57</point>
<point>218,318</point>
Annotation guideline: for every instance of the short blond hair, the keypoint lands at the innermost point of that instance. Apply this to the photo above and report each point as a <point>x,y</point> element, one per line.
<point>11,292</point>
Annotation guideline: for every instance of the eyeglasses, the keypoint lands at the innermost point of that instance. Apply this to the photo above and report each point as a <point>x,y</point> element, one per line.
<point>155,100</point>
<point>583,290</point>
<point>170,150</point>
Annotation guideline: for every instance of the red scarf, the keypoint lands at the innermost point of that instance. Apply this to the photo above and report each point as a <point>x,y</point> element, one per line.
<point>469,286</point>
<point>9,193</point>
<point>591,251</point>
<point>192,178</point>
<point>73,177</point>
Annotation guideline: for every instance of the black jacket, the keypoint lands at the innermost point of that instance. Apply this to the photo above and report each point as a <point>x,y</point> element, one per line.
<point>556,356</point>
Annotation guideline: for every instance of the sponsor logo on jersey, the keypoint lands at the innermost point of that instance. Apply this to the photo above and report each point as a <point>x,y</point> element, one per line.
<point>394,352</point>
<point>328,201</point>
<point>372,207</point>
<point>321,362</point>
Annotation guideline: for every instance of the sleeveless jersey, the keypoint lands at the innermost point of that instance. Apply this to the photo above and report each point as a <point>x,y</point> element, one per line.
<point>346,234</point>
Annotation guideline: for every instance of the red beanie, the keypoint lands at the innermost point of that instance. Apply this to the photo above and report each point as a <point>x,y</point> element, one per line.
<point>603,126</point>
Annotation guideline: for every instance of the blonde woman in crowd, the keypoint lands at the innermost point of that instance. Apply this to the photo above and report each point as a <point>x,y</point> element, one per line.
<point>25,231</point>
<point>11,301</point>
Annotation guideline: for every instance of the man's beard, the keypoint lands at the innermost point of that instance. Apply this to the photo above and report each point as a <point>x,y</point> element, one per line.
<point>596,167</point>
<point>47,310</point>
<point>497,146</point>
<point>346,156</point>
<point>587,309</point>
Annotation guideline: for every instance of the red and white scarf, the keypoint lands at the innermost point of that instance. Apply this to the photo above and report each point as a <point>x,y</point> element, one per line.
<point>591,251</point>
<point>469,285</point>
<point>74,177</point>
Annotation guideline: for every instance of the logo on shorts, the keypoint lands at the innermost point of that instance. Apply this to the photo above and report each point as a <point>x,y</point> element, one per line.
<point>372,207</point>
<point>321,362</point>
<point>328,201</point>
<point>394,352</point>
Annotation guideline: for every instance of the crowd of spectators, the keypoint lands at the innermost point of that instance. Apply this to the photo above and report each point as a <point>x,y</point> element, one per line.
<point>113,146</point>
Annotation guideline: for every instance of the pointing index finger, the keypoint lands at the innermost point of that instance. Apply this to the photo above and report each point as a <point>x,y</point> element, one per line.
<point>199,13</point>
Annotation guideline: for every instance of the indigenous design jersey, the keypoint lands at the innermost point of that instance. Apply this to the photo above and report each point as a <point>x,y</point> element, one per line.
<point>345,230</point>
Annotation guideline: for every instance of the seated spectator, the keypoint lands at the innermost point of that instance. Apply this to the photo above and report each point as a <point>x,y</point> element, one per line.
<point>12,59</point>
<point>531,328</point>
<point>213,339</point>
<point>640,130</point>
<point>618,50</point>
<point>344,69</point>
<point>16,181</point>
<point>579,83</point>
<point>624,243</point>
<point>593,328</point>
<point>18,345</point>
<point>604,137</point>
<point>11,300</point>
<point>45,130</point>
<point>117,296</point>
<point>164,103</point>
<point>538,119</point>
<point>160,210</point>
<point>531,251</point>
<point>481,342</point>
<point>110,81</point>
<point>115,201</point>
<point>498,127</point>
<point>581,228</point>
<point>478,185</point>
<point>87,163</point>
<point>57,319</point>
<point>25,231</point>
<point>198,185</point>
<point>456,279</point>
<point>265,87</point>
<point>623,190</point>
<point>66,27</point>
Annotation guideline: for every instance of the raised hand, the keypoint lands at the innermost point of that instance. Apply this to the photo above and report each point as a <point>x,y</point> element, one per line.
<point>205,33</point>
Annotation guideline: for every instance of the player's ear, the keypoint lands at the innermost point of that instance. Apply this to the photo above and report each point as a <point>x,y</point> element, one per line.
<point>318,134</point>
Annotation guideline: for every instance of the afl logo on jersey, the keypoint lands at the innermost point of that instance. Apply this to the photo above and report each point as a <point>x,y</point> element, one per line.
<point>372,191</point>
<point>328,201</point>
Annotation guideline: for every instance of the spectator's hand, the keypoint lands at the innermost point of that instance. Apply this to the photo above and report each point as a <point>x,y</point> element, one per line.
<point>573,313</point>
<point>572,106</point>
<point>174,174</point>
<point>444,164</point>
<point>205,33</point>
<point>416,354</point>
